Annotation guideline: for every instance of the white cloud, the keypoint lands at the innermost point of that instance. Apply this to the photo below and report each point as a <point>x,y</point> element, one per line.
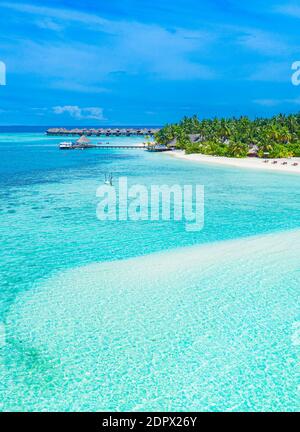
<point>267,102</point>
<point>48,24</point>
<point>292,10</point>
<point>263,42</point>
<point>276,102</point>
<point>67,15</point>
<point>75,111</point>
<point>136,47</point>
<point>78,87</point>
<point>272,72</point>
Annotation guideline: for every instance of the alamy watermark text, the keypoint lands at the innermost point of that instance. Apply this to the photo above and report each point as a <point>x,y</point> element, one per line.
<point>153,202</point>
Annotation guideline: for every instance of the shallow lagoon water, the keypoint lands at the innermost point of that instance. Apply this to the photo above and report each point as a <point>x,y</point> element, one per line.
<point>97,337</point>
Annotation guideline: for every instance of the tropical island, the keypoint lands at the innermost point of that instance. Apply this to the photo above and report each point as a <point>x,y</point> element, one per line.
<point>276,137</point>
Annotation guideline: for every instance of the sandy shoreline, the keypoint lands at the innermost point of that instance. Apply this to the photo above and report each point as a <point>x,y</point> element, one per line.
<point>249,163</point>
<point>221,304</point>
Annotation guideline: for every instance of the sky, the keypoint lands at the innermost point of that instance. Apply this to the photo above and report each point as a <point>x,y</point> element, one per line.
<point>140,62</point>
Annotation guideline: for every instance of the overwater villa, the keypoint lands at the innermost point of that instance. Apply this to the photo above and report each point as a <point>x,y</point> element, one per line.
<point>102,131</point>
<point>82,143</point>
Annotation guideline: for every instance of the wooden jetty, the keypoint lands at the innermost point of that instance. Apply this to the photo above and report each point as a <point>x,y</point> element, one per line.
<point>100,146</point>
<point>63,146</point>
<point>83,143</point>
<point>101,132</point>
<point>70,146</point>
<point>66,146</point>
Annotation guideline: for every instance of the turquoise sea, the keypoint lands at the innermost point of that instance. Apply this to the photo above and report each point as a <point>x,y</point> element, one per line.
<point>145,315</point>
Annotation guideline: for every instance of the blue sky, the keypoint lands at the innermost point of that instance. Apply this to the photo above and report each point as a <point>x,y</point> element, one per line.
<point>137,62</point>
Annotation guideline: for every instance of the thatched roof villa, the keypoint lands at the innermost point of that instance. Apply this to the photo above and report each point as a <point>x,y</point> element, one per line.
<point>83,142</point>
<point>197,139</point>
<point>101,131</point>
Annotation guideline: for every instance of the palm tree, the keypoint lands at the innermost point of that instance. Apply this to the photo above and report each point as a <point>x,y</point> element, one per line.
<point>237,134</point>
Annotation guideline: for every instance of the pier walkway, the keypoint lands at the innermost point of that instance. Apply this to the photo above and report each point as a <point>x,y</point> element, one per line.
<point>120,147</point>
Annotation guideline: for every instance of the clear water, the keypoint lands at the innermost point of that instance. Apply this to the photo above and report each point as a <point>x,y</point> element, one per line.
<point>209,327</point>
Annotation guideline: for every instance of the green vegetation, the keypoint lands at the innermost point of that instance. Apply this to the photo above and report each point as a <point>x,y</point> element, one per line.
<point>276,137</point>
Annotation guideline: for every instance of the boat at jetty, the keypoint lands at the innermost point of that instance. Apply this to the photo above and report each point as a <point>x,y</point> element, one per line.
<point>66,145</point>
<point>154,147</point>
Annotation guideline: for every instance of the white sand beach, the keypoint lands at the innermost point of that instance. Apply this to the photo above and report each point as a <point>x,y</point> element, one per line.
<point>206,314</point>
<point>252,163</point>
